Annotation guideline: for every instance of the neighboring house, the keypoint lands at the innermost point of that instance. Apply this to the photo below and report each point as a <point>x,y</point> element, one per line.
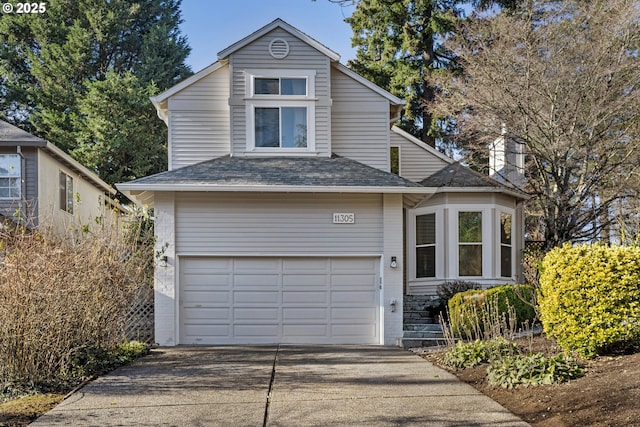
<point>279,220</point>
<point>40,185</point>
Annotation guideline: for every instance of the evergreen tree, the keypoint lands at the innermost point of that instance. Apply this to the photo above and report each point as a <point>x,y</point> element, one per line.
<point>399,47</point>
<point>51,65</point>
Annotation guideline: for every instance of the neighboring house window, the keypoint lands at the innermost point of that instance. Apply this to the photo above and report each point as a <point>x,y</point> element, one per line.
<point>470,243</point>
<point>10,176</point>
<point>280,110</point>
<point>426,245</point>
<point>66,192</point>
<point>505,244</point>
<point>394,160</point>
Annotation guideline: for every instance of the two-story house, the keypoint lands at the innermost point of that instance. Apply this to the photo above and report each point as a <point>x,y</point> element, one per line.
<point>280,219</point>
<point>42,186</point>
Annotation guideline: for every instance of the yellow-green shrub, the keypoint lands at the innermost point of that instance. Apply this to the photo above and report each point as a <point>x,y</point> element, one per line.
<point>479,314</point>
<point>590,297</point>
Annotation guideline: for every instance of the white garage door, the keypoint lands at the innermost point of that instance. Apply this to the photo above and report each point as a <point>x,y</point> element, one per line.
<point>266,300</point>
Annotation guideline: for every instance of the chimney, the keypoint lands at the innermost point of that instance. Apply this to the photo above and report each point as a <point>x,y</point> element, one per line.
<point>506,160</point>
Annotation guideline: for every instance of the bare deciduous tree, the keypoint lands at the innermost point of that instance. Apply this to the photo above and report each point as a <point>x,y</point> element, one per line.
<point>564,78</point>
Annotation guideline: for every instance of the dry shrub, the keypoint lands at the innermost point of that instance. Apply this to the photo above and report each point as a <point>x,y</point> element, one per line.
<point>63,299</point>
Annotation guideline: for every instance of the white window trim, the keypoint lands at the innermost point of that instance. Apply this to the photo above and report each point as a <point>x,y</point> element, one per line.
<point>253,101</point>
<point>440,244</point>
<point>20,178</point>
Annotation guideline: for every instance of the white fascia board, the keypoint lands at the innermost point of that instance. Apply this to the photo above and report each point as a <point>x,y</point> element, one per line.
<point>279,23</point>
<point>422,145</point>
<point>82,170</point>
<point>357,77</point>
<point>133,188</point>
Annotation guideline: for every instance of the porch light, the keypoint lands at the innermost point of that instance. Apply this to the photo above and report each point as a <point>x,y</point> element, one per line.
<point>163,261</point>
<point>394,262</point>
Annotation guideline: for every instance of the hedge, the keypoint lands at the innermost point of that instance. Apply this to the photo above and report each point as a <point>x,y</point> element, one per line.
<point>590,297</point>
<point>475,311</point>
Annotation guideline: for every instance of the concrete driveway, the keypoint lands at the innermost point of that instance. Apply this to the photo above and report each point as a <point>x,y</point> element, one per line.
<point>279,386</point>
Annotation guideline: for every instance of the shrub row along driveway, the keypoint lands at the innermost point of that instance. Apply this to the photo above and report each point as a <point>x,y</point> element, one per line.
<point>285,386</point>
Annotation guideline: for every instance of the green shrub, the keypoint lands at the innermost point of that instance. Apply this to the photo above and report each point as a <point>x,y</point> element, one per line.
<point>590,297</point>
<point>465,355</point>
<point>488,313</point>
<point>447,290</point>
<point>534,369</point>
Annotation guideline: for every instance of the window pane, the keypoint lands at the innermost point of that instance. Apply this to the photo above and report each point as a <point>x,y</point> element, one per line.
<point>505,228</point>
<point>62,184</point>
<point>267,127</point>
<point>69,194</point>
<point>294,127</point>
<point>394,160</point>
<point>505,261</point>
<point>293,86</point>
<point>469,227</point>
<point>426,261</point>
<point>426,229</point>
<point>470,260</point>
<point>9,165</point>
<point>264,86</point>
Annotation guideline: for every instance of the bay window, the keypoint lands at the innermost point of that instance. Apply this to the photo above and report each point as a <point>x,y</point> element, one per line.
<point>505,244</point>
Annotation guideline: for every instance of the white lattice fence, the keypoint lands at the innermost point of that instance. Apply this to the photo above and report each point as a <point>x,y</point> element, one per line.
<point>139,324</point>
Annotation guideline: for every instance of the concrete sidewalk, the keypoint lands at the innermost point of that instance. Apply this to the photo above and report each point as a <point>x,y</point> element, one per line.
<point>310,386</point>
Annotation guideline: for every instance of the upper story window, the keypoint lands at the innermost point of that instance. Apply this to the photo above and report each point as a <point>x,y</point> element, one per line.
<point>10,176</point>
<point>280,109</point>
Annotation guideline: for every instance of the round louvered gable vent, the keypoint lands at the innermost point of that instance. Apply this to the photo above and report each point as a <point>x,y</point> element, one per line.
<point>279,48</point>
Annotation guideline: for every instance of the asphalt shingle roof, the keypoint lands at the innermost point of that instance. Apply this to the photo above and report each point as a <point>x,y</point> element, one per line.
<point>334,171</point>
<point>457,175</point>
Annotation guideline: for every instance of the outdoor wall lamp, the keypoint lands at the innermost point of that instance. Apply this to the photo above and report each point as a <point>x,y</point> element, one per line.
<point>393,303</point>
<point>163,261</point>
<point>394,262</point>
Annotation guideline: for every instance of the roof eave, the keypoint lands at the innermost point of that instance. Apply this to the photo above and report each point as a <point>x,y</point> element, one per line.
<point>138,188</point>
<point>511,192</point>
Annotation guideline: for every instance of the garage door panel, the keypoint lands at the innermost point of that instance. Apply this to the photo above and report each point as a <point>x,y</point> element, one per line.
<point>299,280</point>
<point>206,297</point>
<point>256,298</point>
<point>353,331</point>
<point>256,281</point>
<point>200,314</point>
<point>353,315</point>
<point>199,332</point>
<point>355,299</point>
<point>309,298</point>
<point>301,300</point>
<point>259,331</point>
<point>301,331</point>
<point>305,315</point>
<point>255,314</point>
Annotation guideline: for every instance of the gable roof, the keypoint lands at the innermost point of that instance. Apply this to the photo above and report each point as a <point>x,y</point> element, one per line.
<point>278,23</point>
<point>275,174</point>
<point>421,144</point>
<point>11,136</point>
<point>355,76</point>
<point>459,178</point>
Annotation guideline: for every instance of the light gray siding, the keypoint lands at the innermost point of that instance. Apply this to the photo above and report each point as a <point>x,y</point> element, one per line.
<point>277,224</point>
<point>199,120</point>
<point>301,57</point>
<point>30,184</point>
<point>416,163</point>
<point>360,122</point>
